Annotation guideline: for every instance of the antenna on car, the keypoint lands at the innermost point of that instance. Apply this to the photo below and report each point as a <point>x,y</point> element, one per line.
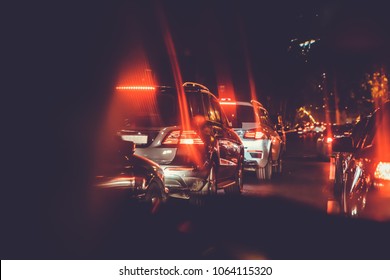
<point>196,86</point>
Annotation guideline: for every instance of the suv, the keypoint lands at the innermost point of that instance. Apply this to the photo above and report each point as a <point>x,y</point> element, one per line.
<point>365,189</point>
<point>263,144</point>
<point>186,132</point>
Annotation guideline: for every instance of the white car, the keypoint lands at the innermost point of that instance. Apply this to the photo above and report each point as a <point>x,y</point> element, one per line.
<point>263,146</point>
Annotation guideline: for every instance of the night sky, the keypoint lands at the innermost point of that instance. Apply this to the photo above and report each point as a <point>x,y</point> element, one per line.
<point>217,40</point>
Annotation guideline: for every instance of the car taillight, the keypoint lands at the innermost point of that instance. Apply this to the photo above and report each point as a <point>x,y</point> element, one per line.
<point>254,134</point>
<point>382,171</point>
<point>135,88</point>
<point>187,137</point>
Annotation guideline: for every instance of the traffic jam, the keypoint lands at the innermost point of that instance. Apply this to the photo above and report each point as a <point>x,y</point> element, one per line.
<point>207,130</point>
<point>209,148</point>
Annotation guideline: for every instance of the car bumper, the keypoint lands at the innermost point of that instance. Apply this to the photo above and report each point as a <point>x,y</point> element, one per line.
<point>256,154</point>
<point>183,180</point>
<point>130,187</point>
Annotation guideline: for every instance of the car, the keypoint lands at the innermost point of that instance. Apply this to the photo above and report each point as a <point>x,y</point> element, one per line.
<point>324,141</point>
<point>339,160</point>
<point>366,188</point>
<point>263,145</point>
<point>280,128</point>
<point>135,177</point>
<point>185,131</point>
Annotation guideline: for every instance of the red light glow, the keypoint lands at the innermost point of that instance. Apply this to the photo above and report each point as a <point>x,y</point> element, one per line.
<point>135,88</point>
<point>187,137</point>
<point>182,100</point>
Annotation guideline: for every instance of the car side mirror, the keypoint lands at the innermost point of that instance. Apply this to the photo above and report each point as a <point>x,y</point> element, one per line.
<point>343,144</point>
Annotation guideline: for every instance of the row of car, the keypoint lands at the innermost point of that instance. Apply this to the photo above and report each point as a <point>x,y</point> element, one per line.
<point>361,167</point>
<point>189,143</point>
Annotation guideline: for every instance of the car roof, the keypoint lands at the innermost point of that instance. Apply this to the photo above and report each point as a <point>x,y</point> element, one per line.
<point>188,87</point>
<point>246,103</point>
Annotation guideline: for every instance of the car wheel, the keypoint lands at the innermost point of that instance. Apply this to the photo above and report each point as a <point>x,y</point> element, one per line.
<point>239,179</point>
<point>277,169</point>
<point>265,173</point>
<point>154,197</point>
<point>353,204</point>
<point>209,190</point>
<point>338,178</point>
<point>238,186</point>
<point>280,166</point>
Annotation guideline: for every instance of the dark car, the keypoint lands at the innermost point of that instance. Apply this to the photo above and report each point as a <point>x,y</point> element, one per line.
<point>132,176</point>
<point>324,141</point>
<point>339,160</point>
<point>366,188</point>
<point>186,132</point>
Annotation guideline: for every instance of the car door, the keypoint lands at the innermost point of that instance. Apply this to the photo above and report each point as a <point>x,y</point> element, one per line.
<point>227,143</point>
<point>355,186</point>
<point>274,136</point>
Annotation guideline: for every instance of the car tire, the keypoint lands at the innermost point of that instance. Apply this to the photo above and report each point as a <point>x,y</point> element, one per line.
<point>353,205</point>
<point>237,188</point>
<point>154,197</point>
<point>338,178</point>
<point>211,188</point>
<point>208,191</point>
<point>265,173</point>
<point>278,168</point>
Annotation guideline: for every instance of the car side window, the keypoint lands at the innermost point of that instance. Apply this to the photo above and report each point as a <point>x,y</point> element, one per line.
<point>224,118</point>
<point>217,109</point>
<point>208,111</point>
<point>195,103</point>
<point>264,117</point>
<point>213,111</point>
<point>370,133</point>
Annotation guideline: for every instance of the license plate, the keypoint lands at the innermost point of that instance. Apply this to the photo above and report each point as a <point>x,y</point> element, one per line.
<point>137,139</point>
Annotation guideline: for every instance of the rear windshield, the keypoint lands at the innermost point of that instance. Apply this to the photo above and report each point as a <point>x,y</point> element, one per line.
<point>341,130</point>
<point>239,114</point>
<point>156,109</point>
<point>148,109</point>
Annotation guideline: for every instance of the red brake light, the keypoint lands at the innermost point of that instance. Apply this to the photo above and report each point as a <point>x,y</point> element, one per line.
<point>186,137</point>
<point>382,171</point>
<point>190,137</point>
<point>254,134</point>
<point>172,138</point>
<point>135,88</point>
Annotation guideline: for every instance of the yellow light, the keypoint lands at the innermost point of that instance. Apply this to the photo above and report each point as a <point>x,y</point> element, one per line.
<point>383,171</point>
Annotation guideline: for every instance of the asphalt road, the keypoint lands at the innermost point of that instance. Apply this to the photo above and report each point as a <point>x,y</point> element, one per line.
<point>305,177</point>
<point>285,218</point>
